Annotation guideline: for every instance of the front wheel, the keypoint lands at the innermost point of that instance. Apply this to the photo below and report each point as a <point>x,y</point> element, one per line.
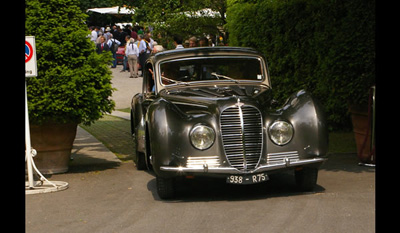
<point>166,187</point>
<point>306,179</point>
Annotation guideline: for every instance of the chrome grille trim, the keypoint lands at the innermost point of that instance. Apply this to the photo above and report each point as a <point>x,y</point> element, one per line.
<point>242,136</point>
<point>282,156</point>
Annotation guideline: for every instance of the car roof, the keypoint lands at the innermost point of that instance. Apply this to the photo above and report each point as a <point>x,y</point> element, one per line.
<point>204,51</point>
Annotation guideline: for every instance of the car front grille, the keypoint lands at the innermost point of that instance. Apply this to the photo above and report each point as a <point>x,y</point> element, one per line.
<point>242,136</point>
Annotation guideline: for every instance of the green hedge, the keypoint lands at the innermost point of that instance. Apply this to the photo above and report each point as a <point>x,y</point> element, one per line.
<point>325,47</point>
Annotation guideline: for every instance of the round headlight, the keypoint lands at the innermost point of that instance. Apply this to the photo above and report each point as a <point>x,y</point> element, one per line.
<point>202,137</point>
<point>281,132</point>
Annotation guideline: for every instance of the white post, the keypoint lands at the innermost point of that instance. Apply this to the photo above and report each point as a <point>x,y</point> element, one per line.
<point>28,150</point>
<point>31,71</point>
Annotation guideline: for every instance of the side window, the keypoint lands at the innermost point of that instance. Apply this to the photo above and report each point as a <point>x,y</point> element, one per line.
<point>148,79</point>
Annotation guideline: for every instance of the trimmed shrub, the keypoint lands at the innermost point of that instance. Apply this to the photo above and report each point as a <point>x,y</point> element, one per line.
<point>325,47</point>
<point>74,82</point>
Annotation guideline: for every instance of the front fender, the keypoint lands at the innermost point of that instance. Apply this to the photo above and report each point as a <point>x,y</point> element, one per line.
<point>310,138</point>
<point>169,130</point>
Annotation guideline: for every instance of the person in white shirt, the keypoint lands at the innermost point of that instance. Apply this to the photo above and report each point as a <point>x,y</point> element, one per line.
<point>132,52</point>
<point>178,42</point>
<point>93,34</point>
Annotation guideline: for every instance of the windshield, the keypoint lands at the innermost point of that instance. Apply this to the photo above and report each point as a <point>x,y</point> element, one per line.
<point>229,69</point>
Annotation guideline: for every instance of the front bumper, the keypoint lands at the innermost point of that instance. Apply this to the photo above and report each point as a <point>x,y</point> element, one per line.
<point>287,163</point>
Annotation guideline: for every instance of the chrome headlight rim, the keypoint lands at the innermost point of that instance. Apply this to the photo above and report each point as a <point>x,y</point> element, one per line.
<point>281,132</point>
<point>202,137</point>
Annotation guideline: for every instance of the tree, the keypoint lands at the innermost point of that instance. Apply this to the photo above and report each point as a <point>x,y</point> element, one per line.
<point>171,17</point>
<point>74,82</point>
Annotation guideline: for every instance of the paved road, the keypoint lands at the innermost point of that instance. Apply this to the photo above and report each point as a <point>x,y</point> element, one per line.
<point>118,198</point>
<point>126,87</point>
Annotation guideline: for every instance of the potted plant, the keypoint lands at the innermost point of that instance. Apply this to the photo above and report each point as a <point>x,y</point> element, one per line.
<point>73,85</point>
<point>359,40</point>
<point>361,118</point>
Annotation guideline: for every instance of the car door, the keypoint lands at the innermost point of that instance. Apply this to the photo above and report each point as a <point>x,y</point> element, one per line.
<point>148,88</point>
<point>140,104</point>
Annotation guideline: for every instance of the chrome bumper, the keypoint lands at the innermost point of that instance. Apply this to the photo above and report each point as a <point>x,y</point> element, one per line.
<point>230,170</point>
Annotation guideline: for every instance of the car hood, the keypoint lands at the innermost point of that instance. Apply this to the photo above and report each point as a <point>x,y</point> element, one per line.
<point>212,99</point>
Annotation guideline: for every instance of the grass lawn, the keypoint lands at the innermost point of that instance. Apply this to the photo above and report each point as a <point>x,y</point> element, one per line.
<point>128,110</point>
<point>342,142</point>
<point>115,134</point>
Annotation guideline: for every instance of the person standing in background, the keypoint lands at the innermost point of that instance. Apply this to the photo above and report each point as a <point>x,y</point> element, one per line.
<point>93,34</point>
<point>125,62</point>
<point>102,45</point>
<point>132,52</point>
<point>178,42</point>
<point>192,42</point>
<point>203,42</point>
<point>113,44</point>
<point>144,50</point>
<point>107,34</point>
<point>134,34</point>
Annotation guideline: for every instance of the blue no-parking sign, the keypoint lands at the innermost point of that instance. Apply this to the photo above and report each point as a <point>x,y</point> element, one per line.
<point>30,57</point>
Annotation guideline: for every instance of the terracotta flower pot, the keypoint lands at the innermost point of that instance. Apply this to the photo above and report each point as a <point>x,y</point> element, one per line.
<point>359,118</point>
<point>53,143</point>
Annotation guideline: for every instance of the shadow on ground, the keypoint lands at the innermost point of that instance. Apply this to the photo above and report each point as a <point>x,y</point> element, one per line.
<point>345,162</point>
<point>208,189</point>
<point>279,185</point>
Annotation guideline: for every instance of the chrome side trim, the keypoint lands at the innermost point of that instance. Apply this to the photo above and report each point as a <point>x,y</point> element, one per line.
<point>200,162</point>
<point>230,170</point>
<point>273,158</point>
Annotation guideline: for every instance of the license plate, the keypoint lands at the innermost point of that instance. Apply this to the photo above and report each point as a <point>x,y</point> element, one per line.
<point>247,179</point>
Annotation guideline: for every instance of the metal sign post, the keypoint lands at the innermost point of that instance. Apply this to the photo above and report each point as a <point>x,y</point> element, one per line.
<point>30,71</point>
<point>28,150</point>
<point>44,186</point>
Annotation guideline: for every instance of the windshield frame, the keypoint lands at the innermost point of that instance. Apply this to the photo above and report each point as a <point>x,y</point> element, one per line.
<point>263,68</point>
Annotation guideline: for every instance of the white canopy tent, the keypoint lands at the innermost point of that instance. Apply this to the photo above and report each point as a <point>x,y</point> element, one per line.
<point>115,10</point>
<point>206,12</point>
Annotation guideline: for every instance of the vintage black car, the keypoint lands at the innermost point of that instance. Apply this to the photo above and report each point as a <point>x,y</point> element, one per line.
<point>210,112</point>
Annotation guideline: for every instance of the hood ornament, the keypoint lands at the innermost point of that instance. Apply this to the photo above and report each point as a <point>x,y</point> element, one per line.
<point>239,104</point>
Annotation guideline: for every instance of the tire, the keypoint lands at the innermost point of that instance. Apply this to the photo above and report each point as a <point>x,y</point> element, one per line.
<point>306,179</point>
<point>140,161</point>
<point>147,155</point>
<point>132,124</point>
<point>166,187</point>
<point>140,157</point>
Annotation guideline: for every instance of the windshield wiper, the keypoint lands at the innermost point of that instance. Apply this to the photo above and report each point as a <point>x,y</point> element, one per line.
<point>225,77</point>
<point>175,81</point>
